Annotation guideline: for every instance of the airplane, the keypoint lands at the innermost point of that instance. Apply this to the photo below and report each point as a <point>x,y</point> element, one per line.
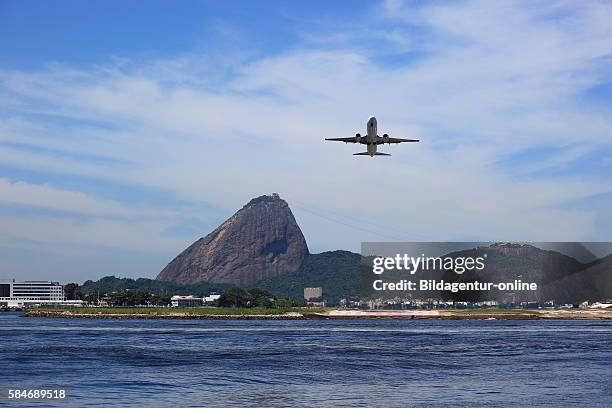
<point>371,139</point>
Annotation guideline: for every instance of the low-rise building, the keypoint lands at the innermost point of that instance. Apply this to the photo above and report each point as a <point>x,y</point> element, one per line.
<point>211,299</point>
<point>313,293</point>
<point>604,304</point>
<point>186,301</point>
<point>32,293</point>
<point>313,303</point>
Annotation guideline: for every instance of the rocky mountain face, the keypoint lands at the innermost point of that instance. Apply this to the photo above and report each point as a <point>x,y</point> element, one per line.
<point>262,245</point>
<point>259,242</point>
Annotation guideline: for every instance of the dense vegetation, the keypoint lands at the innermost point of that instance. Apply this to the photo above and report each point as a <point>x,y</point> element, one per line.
<point>119,292</point>
<point>337,272</point>
<point>110,284</point>
<point>258,298</point>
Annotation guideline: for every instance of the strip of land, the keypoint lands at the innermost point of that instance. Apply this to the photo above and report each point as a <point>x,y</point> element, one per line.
<point>300,314</point>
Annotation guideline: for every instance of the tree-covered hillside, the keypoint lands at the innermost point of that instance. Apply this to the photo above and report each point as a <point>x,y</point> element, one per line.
<point>337,272</point>
<point>110,284</point>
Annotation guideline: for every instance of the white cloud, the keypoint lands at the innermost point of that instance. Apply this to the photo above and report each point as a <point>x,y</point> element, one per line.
<point>20,193</point>
<point>145,236</point>
<point>492,79</point>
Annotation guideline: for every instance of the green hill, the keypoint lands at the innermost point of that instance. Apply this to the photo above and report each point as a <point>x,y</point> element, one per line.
<point>110,284</point>
<point>337,272</point>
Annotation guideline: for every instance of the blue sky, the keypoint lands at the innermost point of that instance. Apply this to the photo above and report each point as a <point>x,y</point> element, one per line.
<point>130,129</point>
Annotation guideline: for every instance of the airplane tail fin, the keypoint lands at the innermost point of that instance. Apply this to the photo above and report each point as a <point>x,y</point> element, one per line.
<point>367,154</point>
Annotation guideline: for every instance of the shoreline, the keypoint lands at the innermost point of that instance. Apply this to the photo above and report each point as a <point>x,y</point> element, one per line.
<point>510,314</point>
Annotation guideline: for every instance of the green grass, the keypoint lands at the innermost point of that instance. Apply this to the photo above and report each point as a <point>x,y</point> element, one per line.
<point>197,311</point>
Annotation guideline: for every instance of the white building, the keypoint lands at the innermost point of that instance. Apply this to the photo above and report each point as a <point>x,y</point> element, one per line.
<point>210,299</point>
<point>186,301</point>
<point>312,293</point>
<point>605,304</point>
<point>30,293</point>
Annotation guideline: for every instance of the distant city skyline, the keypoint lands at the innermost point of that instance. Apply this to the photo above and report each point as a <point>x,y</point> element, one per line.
<point>129,131</point>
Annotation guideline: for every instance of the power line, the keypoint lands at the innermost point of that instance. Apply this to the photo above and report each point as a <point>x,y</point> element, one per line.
<point>303,207</point>
<point>347,224</point>
<point>352,218</point>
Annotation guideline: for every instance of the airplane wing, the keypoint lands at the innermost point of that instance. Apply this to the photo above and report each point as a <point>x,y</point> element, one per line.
<point>398,140</point>
<point>346,139</point>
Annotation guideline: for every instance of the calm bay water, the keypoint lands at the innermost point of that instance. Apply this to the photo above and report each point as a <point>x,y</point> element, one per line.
<point>309,363</point>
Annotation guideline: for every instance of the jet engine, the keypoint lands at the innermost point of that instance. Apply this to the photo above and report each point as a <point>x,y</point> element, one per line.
<point>358,137</point>
<point>385,138</point>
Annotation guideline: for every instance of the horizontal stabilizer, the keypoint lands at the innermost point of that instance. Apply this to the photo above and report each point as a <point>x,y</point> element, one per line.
<point>368,154</point>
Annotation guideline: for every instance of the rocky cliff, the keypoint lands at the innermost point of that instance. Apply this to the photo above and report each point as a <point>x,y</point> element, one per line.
<point>259,242</point>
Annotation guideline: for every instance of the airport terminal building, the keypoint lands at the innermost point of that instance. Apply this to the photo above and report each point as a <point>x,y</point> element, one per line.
<point>29,293</point>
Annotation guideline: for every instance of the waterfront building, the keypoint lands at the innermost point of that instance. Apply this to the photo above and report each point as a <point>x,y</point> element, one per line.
<point>313,303</point>
<point>32,293</point>
<point>604,304</point>
<point>186,301</point>
<point>211,299</point>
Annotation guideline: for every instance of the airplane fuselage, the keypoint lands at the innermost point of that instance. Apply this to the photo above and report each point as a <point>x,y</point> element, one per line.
<point>372,128</point>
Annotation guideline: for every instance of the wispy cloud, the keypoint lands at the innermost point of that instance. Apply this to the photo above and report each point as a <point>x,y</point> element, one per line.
<point>479,82</point>
<point>20,193</point>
